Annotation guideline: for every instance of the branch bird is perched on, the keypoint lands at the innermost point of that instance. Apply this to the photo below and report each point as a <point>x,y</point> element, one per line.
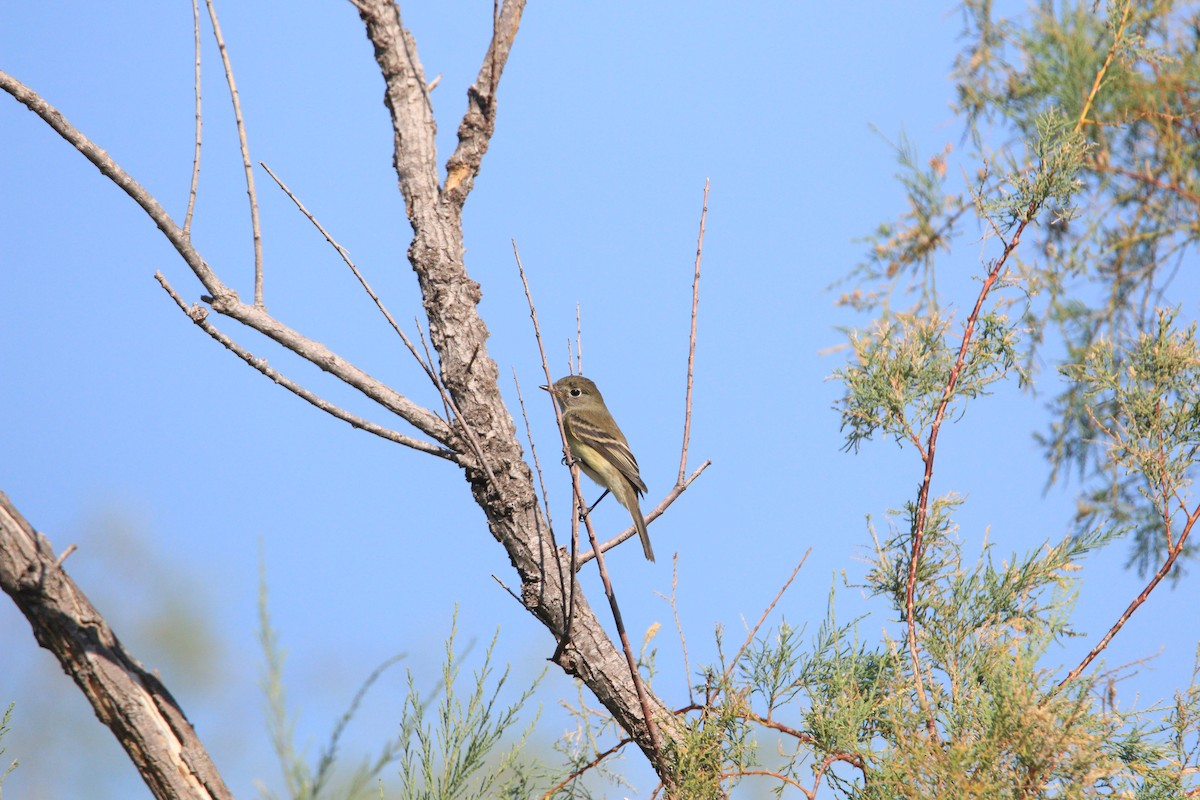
<point>599,446</point>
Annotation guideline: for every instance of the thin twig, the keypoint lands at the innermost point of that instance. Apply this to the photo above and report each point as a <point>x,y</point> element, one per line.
<point>191,205</point>
<point>245,150</point>
<point>71,548</point>
<point>433,376</point>
<point>798,735</point>
<point>100,158</point>
<point>504,586</point>
<point>565,637</point>
<point>935,427</point>
<point>578,340</point>
<point>577,489</point>
<point>1108,59</point>
<point>537,464</point>
<point>581,770</point>
<point>691,361</point>
<point>345,256</point>
<point>611,595</point>
<point>199,315</point>
<point>651,515</point>
<point>947,396</point>
<point>687,667</point>
<point>568,592</point>
<point>766,612</point>
<point>766,773</point>
<point>222,298</point>
<point>451,410</point>
<point>1162,572</point>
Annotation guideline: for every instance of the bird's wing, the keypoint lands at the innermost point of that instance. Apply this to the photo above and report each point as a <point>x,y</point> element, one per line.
<point>615,450</point>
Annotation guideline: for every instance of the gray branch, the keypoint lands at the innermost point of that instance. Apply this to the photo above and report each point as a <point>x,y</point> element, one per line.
<point>127,698</point>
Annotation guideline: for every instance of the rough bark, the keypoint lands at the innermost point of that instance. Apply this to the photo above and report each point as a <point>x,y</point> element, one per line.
<point>470,375</point>
<point>481,436</point>
<point>132,702</point>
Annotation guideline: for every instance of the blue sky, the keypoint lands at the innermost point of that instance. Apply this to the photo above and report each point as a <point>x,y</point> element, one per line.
<point>170,462</point>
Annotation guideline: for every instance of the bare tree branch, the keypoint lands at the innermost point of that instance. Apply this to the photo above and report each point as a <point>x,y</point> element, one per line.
<point>199,315</point>
<point>192,190</point>
<point>244,148</point>
<point>469,374</point>
<point>126,697</point>
<point>482,436</point>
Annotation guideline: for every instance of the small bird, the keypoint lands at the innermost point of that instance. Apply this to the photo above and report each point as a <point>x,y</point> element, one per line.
<point>599,446</point>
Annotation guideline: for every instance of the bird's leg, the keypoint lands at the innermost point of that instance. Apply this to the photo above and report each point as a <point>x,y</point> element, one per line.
<point>587,511</point>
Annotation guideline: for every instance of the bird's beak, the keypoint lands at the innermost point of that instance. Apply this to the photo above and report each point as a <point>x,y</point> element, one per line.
<point>549,389</point>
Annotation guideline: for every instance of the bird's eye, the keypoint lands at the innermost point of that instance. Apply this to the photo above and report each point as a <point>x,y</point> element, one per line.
<point>575,393</point>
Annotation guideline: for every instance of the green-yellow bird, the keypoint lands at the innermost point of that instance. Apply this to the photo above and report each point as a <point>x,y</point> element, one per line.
<point>599,446</point>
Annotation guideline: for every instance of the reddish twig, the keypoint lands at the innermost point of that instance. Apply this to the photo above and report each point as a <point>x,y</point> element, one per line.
<point>588,766</point>
<point>1164,570</point>
<point>948,392</point>
<point>787,730</point>
<point>768,774</point>
<point>930,452</point>
<point>711,694</point>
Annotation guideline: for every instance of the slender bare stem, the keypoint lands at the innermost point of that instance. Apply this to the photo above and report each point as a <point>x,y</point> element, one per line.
<point>581,504</point>
<point>537,464</point>
<point>616,748</point>
<point>578,340</point>
<point>763,618</point>
<point>191,206</point>
<point>691,361</point>
<point>244,147</point>
<point>611,595</point>
<point>1136,603</point>
<point>651,515</point>
<point>199,315</point>
<point>567,591</point>
<point>935,427</point>
<point>687,667</point>
<point>537,335</point>
<point>345,256</point>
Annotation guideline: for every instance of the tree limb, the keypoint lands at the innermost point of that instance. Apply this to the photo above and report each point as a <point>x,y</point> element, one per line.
<point>459,336</point>
<point>127,698</point>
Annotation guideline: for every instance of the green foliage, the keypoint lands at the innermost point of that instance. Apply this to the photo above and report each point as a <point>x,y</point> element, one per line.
<point>1142,403</point>
<point>588,764</point>
<point>453,756</point>
<point>1131,77</point>
<point>837,712</point>
<point>908,247</point>
<point>717,737</point>
<point>1086,183</point>
<point>897,382</point>
<point>459,754</point>
<point>4,729</point>
<point>1086,124</point>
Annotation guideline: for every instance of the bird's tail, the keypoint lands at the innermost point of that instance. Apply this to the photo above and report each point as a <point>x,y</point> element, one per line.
<point>643,534</point>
